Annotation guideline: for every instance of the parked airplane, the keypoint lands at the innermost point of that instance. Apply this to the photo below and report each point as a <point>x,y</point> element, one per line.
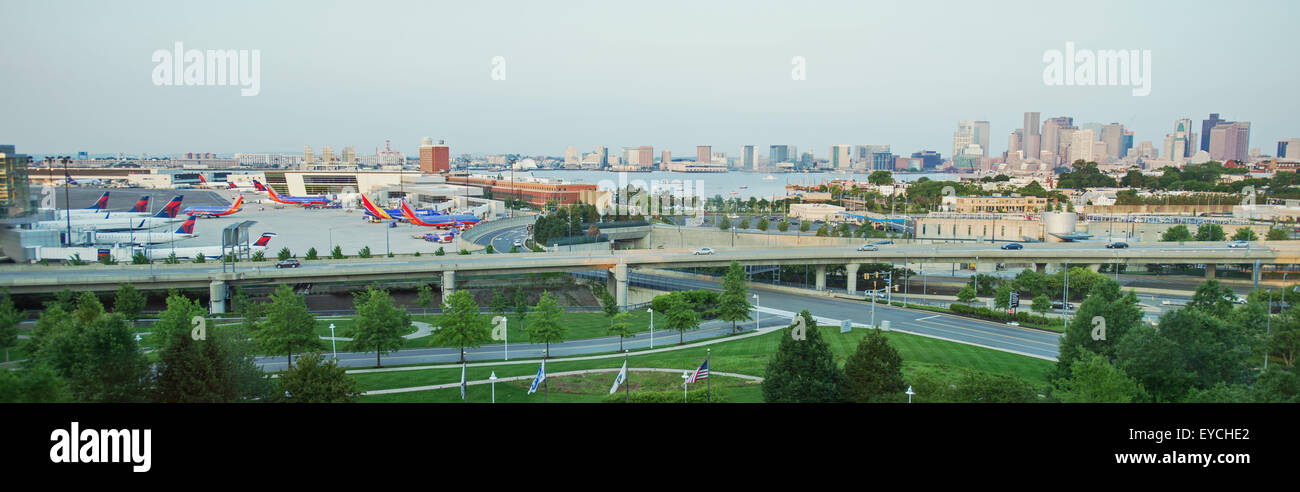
<point>100,206</point>
<point>185,231</point>
<point>294,200</point>
<point>228,185</point>
<point>214,251</point>
<point>216,211</point>
<point>118,221</point>
<point>396,213</point>
<point>433,220</point>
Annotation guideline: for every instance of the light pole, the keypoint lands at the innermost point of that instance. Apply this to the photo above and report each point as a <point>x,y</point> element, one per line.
<point>757,313</point>
<point>686,376</point>
<point>909,394</point>
<point>334,342</point>
<point>1268,325</point>
<point>493,378</point>
<point>652,326</point>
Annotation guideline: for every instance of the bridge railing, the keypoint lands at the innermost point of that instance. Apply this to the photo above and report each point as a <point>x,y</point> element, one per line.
<point>484,228</point>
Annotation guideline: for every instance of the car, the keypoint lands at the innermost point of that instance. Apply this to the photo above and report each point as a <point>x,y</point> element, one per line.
<point>704,251</point>
<point>868,247</point>
<point>1013,246</point>
<point>289,263</point>
<point>1237,299</point>
<point>1239,244</point>
<point>1057,305</point>
<point>884,241</point>
<point>1013,323</point>
<point>519,244</point>
<point>1117,245</point>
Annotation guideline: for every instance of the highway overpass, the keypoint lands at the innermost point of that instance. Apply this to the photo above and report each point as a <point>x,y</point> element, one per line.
<point>42,279</point>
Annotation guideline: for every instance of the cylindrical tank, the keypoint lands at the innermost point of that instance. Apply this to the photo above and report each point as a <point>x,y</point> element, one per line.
<point>1058,223</point>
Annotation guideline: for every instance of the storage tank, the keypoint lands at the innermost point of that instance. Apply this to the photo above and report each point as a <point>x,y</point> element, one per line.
<point>1058,223</point>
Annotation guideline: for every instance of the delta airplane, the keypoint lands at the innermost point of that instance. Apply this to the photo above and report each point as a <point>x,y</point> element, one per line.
<point>207,251</point>
<point>216,211</point>
<point>119,221</point>
<point>435,220</point>
<point>396,213</point>
<point>305,201</point>
<point>98,207</point>
<point>185,231</point>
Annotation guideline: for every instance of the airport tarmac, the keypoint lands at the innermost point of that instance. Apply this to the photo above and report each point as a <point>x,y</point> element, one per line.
<point>300,229</point>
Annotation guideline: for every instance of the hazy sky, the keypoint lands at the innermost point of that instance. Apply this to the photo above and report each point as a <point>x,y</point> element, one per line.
<point>669,74</point>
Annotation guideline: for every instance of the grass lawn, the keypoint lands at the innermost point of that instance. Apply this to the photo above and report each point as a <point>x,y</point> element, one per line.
<point>745,356</point>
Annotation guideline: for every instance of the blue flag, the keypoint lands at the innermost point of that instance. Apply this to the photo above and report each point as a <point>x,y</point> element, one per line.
<point>541,376</point>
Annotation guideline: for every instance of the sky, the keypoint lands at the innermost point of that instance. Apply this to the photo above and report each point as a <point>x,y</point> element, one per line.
<point>79,75</point>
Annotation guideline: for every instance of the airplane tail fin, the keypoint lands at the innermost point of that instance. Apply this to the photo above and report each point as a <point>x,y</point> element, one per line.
<point>239,202</point>
<point>258,185</point>
<point>375,211</point>
<point>187,227</point>
<point>264,239</point>
<point>203,179</point>
<point>101,203</point>
<point>141,205</point>
<point>172,208</point>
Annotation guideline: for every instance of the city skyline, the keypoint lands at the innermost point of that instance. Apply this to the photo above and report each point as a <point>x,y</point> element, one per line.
<point>720,75</point>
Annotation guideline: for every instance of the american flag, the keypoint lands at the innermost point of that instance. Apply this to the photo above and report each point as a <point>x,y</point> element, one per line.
<point>701,373</point>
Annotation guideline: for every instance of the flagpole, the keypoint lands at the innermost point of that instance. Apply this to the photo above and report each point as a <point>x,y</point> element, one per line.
<point>546,388</point>
<point>708,385</point>
<point>627,388</point>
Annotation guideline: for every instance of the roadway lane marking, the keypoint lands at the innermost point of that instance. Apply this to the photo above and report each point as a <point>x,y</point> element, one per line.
<point>967,329</point>
<point>928,317</point>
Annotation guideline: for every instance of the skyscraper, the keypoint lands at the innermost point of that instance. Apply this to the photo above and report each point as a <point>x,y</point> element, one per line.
<point>1081,147</point>
<point>747,161</point>
<point>841,156</point>
<point>1288,148</point>
<point>965,135</point>
<point>1031,139</point>
<point>1051,139</point>
<point>703,154</point>
<point>781,153</point>
<point>434,158</point>
<point>1207,125</point>
<point>15,194</point>
<point>1113,136</point>
<point>1230,141</point>
<point>571,156</point>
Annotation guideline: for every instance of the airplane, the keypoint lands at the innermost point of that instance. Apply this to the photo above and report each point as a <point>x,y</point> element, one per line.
<point>185,231</point>
<point>203,183</point>
<point>396,213</point>
<point>100,206</point>
<point>434,220</point>
<point>213,251</point>
<point>305,201</point>
<point>119,221</point>
<point>216,211</point>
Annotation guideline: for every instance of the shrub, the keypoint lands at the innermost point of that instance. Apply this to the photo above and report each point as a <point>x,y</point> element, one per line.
<point>694,395</point>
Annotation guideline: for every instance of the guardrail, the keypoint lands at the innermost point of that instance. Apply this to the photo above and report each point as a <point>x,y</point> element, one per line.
<point>484,228</point>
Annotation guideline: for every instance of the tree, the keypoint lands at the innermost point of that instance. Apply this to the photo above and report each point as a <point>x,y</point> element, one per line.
<point>881,178</point>
<point>966,294</point>
<point>724,223</point>
<point>1002,297</point>
<point>681,317</point>
<point>1042,304</point>
<point>284,254</point>
<point>1094,380</point>
<point>1178,233</point>
<point>733,303</point>
<point>461,323</point>
<point>379,323</point>
<point>621,326</point>
<point>1212,298</point>
<point>110,366</point>
<point>258,256</point>
<point>874,373</point>
<point>288,326</point>
<point>176,319</point>
<point>547,326</point>
<point>199,258</point>
<point>805,226</point>
<point>1154,361</point>
<point>1245,234</point>
<point>337,253</point>
<point>218,369</point>
<point>763,224</point>
<point>783,225</point>
<point>1277,234</point>
<point>10,317</point>
<point>128,302</point>
<point>140,259</point>
<point>440,252</point>
<point>362,253</point>
<point>803,371</point>
<point>499,304</point>
<point>608,303</point>
<point>424,297</point>
<point>1210,232</point>
<point>980,387</point>
<point>38,383</point>
<point>744,223</point>
<point>1118,309</point>
<point>1284,339</point>
<point>311,254</point>
<point>519,300</point>
<point>823,231</point>
<point>315,380</point>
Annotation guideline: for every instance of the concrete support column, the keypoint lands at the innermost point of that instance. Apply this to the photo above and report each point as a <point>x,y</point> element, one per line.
<point>1209,271</point>
<point>986,267</point>
<point>448,284</point>
<point>616,282</point>
<point>821,277</point>
<point>852,270</point>
<point>1254,274</point>
<point>1095,267</point>
<point>217,297</point>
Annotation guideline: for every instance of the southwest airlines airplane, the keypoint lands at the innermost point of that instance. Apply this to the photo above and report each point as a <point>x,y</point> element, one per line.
<point>424,216</point>
<point>215,211</point>
<point>435,220</point>
<point>203,183</point>
<point>293,200</point>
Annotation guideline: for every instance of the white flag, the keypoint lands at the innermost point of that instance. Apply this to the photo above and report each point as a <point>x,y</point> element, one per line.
<point>622,376</point>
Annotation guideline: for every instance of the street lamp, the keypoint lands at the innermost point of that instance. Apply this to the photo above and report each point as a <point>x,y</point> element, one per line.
<point>909,394</point>
<point>686,376</point>
<point>757,313</point>
<point>493,378</point>
<point>652,326</point>
<point>334,342</point>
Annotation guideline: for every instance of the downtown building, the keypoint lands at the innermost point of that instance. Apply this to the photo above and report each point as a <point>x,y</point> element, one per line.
<point>434,158</point>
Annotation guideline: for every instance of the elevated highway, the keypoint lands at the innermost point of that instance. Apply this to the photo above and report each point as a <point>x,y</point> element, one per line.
<point>38,279</point>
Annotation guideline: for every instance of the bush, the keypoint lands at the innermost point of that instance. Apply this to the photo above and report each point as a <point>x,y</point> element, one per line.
<point>199,258</point>
<point>259,256</point>
<point>439,252</point>
<point>284,254</point>
<point>694,395</point>
<point>463,251</point>
<point>311,254</point>
<point>704,302</point>
<point>363,253</point>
